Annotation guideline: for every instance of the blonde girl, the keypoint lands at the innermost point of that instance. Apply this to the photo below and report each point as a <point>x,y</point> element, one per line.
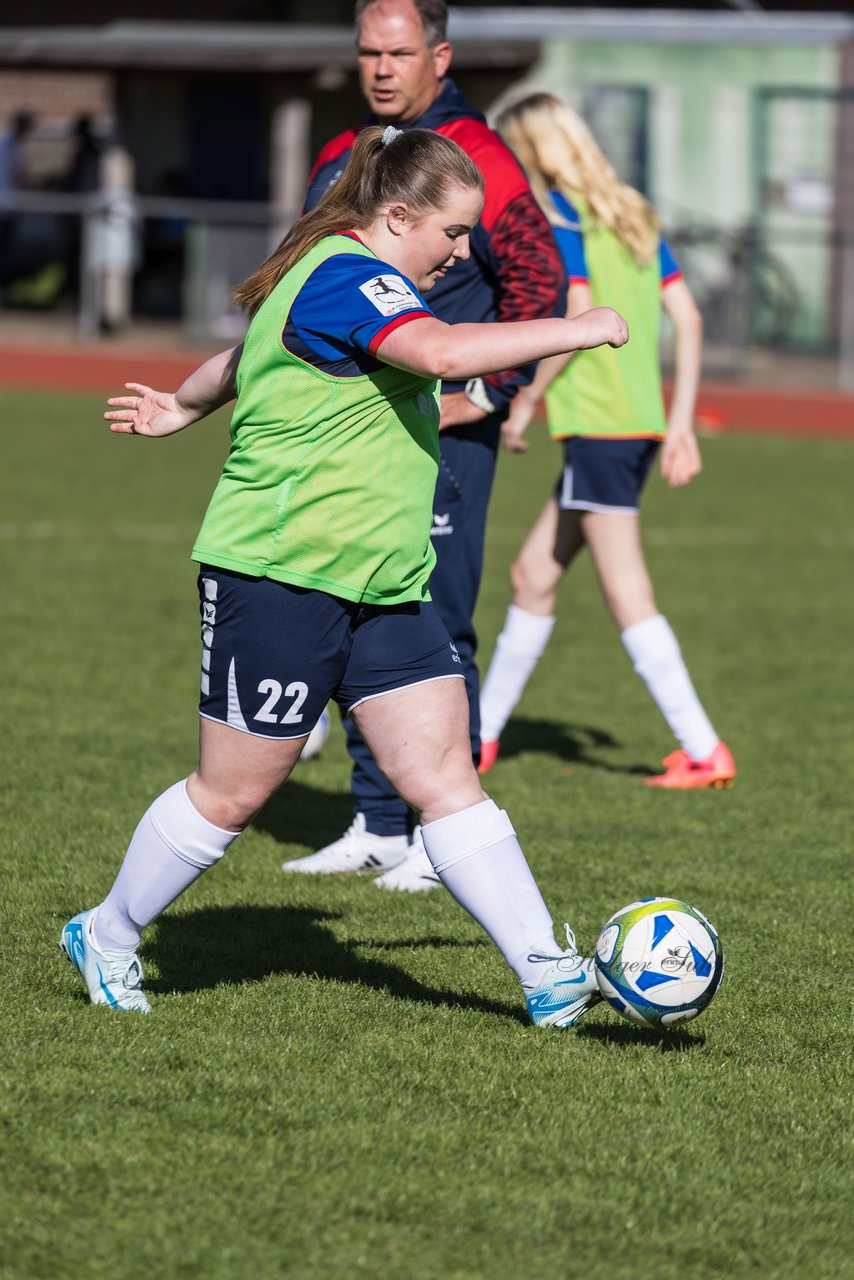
<point>607,409</point>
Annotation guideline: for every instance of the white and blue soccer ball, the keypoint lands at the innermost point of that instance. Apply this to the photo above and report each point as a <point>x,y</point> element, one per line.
<point>316,740</point>
<point>659,962</point>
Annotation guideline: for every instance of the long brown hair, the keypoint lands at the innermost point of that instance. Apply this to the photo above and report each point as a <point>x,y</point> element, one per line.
<point>559,153</point>
<point>415,167</point>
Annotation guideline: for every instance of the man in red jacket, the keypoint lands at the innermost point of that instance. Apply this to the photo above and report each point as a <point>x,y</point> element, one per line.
<point>514,273</point>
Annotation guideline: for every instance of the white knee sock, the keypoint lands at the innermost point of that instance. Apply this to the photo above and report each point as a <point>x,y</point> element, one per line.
<point>517,651</point>
<point>477,857</point>
<point>170,848</point>
<point>657,658</point>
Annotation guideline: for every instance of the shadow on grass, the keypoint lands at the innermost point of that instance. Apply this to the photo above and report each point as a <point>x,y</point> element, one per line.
<point>301,814</point>
<point>625,1036</point>
<point>573,743</point>
<point>232,945</point>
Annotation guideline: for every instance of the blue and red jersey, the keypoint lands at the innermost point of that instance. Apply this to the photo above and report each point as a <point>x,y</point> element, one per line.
<point>371,299</point>
<point>570,241</point>
<point>515,271</point>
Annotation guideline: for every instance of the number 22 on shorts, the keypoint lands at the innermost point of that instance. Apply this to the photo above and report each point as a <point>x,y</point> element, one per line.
<point>296,690</point>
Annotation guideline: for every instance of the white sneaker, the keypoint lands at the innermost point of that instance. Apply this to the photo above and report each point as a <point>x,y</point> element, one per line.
<point>111,977</point>
<point>415,874</point>
<point>356,852</point>
<point>567,989</point>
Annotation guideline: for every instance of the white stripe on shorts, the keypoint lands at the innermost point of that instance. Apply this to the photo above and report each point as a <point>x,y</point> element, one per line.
<point>598,506</point>
<point>567,504</point>
<point>452,675</point>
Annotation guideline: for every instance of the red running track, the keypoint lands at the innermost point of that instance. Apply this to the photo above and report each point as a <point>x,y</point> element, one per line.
<point>722,407</point>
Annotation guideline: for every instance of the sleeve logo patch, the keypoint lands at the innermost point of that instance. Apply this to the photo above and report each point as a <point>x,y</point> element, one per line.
<point>390,295</point>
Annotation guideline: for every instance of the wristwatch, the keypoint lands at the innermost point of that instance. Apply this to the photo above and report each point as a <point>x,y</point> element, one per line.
<point>477,393</point>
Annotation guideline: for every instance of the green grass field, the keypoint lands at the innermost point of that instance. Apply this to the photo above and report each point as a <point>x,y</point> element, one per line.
<point>341,1082</point>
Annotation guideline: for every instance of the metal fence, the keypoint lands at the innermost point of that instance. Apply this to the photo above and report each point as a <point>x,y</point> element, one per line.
<point>780,282</point>
<point>110,260</point>
<point>804,166</point>
<point>753,298</point>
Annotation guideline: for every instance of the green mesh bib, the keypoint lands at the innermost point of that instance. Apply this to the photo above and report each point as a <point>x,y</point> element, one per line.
<point>604,392</point>
<point>329,481</point>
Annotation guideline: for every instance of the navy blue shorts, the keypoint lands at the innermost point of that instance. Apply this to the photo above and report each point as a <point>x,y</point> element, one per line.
<point>273,655</point>
<point>604,475</point>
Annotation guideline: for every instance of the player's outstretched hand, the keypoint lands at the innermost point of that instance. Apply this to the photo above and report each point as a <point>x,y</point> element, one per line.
<point>602,326</point>
<point>514,426</point>
<point>680,458</point>
<point>146,412</point>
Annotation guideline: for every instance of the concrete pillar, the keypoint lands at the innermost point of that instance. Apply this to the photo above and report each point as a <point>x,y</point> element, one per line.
<point>290,161</point>
<point>110,248</point>
<point>119,237</point>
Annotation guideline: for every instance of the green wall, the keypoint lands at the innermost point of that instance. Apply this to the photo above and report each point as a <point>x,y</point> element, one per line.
<point>709,136</point>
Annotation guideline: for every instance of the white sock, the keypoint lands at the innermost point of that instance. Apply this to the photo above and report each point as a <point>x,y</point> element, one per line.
<point>517,651</point>
<point>477,857</point>
<point>657,658</point>
<point>170,848</point>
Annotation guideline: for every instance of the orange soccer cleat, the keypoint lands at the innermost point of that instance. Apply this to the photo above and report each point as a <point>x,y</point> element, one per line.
<point>683,773</point>
<point>488,755</point>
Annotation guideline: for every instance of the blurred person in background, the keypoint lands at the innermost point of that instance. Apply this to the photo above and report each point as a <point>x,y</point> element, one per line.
<point>82,177</point>
<point>514,272</point>
<point>11,174</point>
<point>607,408</point>
<point>84,169</point>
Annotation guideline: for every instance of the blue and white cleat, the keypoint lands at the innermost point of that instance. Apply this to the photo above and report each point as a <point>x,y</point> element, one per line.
<point>111,977</point>
<point>567,990</point>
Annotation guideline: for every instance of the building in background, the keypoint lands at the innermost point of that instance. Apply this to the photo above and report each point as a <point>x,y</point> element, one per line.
<point>220,123</point>
<point>740,129</point>
<point>738,125</point>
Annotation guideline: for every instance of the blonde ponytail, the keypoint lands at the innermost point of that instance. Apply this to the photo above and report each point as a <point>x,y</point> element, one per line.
<point>559,153</point>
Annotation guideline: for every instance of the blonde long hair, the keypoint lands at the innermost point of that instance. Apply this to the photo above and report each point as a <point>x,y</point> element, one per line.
<point>559,153</point>
<point>415,167</point>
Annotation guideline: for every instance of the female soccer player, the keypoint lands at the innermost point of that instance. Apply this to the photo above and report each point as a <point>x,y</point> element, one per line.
<point>607,408</point>
<point>315,557</point>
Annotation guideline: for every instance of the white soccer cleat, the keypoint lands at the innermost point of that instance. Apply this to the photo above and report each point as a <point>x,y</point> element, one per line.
<point>111,977</point>
<point>567,989</point>
<point>415,874</point>
<point>357,852</point>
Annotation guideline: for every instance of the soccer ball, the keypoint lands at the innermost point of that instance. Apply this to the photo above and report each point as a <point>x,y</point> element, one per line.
<point>316,740</point>
<point>659,962</point>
